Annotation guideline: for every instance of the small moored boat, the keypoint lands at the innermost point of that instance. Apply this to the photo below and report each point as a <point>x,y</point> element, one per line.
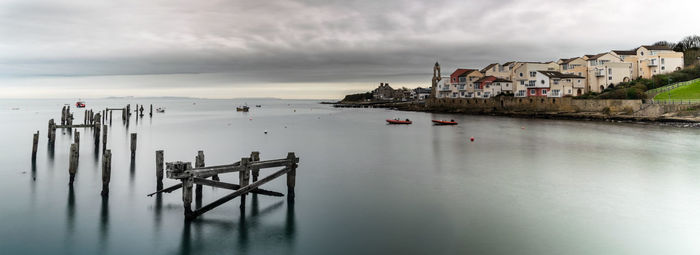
<point>444,122</point>
<point>160,110</point>
<point>80,104</point>
<point>398,121</point>
<point>244,108</point>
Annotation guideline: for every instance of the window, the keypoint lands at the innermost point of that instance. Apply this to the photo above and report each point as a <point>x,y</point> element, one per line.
<point>532,83</point>
<point>662,61</point>
<point>579,80</point>
<point>521,74</point>
<point>556,82</point>
<point>532,74</point>
<point>610,78</point>
<point>641,53</point>
<point>565,67</point>
<point>544,92</point>
<point>532,92</point>
<point>542,81</point>
<point>593,62</point>
<point>663,68</point>
<point>579,73</point>
<point>610,71</point>
<point>569,91</point>
<point>522,82</point>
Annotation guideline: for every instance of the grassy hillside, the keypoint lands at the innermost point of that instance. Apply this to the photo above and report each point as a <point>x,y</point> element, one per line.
<point>691,91</point>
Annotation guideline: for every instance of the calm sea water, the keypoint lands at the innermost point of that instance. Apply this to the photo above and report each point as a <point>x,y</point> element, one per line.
<point>363,187</point>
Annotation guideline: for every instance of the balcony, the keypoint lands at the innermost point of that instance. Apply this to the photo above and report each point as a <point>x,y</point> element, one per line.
<point>444,88</point>
<point>600,73</point>
<point>653,63</point>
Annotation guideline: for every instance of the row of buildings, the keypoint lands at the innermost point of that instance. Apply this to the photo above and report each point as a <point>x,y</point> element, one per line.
<point>386,92</point>
<point>565,77</point>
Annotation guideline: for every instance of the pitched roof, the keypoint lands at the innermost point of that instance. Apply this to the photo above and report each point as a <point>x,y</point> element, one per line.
<point>656,47</point>
<point>460,72</point>
<point>501,80</point>
<point>596,56</point>
<point>486,78</point>
<point>626,52</point>
<point>467,72</point>
<point>488,67</point>
<point>555,74</point>
<point>565,61</point>
<point>508,63</point>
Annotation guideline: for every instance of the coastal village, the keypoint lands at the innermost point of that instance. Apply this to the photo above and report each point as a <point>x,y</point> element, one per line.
<point>566,77</point>
<point>573,76</point>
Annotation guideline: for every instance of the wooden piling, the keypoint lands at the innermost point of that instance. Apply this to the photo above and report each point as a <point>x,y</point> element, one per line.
<point>255,156</point>
<point>52,131</point>
<point>63,115</point>
<point>291,176</point>
<point>133,145</point>
<point>198,162</point>
<point>35,145</point>
<point>104,138</point>
<point>110,117</point>
<point>73,163</point>
<point>106,172</point>
<point>159,169</point>
<point>76,139</point>
<point>187,192</point>
<point>244,178</point>
<point>151,112</point>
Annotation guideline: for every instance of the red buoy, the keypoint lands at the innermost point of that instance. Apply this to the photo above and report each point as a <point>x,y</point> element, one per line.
<point>471,138</point>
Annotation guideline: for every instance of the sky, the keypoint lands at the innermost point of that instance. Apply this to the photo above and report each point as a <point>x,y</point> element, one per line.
<point>301,49</point>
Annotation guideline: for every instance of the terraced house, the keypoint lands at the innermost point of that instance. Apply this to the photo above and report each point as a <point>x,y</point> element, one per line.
<point>524,76</point>
<point>555,84</point>
<point>576,66</point>
<point>606,70</point>
<point>463,82</point>
<point>648,61</point>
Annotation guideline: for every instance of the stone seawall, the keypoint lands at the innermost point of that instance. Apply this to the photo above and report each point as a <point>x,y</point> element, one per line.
<point>533,105</point>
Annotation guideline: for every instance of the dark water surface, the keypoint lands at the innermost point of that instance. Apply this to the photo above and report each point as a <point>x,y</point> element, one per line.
<point>363,187</point>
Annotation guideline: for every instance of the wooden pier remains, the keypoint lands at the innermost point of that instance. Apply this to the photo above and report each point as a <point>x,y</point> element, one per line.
<point>189,176</point>
<point>106,172</point>
<point>35,145</point>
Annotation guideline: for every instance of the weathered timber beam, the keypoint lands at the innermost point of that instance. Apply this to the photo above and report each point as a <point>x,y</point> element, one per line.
<point>76,126</point>
<point>167,190</point>
<point>204,172</point>
<point>232,186</point>
<point>237,193</point>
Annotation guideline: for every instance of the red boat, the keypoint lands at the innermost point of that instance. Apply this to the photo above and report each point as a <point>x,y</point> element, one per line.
<point>398,121</point>
<point>80,104</point>
<point>444,122</point>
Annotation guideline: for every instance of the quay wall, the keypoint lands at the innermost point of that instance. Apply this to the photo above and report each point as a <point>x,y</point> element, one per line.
<point>534,105</point>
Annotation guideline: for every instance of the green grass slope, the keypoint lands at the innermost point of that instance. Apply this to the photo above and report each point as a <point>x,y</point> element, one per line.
<point>691,91</point>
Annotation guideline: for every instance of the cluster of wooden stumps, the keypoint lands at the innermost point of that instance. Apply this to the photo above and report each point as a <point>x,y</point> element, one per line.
<point>199,176</point>
<point>91,120</point>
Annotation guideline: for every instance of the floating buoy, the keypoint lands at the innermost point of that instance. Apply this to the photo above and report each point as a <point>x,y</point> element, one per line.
<point>295,110</point>
<point>522,128</point>
<point>266,132</point>
<point>471,138</point>
<point>250,118</point>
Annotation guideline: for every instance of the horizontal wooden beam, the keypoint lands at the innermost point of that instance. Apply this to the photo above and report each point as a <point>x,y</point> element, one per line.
<point>237,193</point>
<point>76,126</point>
<point>204,172</point>
<point>167,190</point>
<point>232,186</point>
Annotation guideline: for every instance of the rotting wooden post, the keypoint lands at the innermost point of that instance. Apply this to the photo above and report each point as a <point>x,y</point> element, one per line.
<point>255,156</point>
<point>151,112</point>
<point>76,139</point>
<point>85,117</point>
<point>104,138</point>
<point>35,145</point>
<point>110,117</point>
<point>52,131</point>
<point>133,145</point>
<point>73,163</point>
<point>159,169</point>
<point>106,172</point>
<point>198,162</point>
<point>187,191</point>
<point>244,178</point>
<point>63,115</point>
<point>291,176</point>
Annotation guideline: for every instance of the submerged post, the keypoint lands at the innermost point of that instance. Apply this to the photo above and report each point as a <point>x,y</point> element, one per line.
<point>106,172</point>
<point>133,145</point>
<point>198,162</point>
<point>104,138</point>
<point>291,176</point>
<point>243,178</point>
<point>35,145</point>
<point>52,131</point>
<point>159,169</point>
<point>73,163</point>
<point>76,139</point>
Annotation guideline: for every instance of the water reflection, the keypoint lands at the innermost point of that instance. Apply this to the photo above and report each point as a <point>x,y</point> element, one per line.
<point>196,243</point>
<point>70,210</point>
<point>104,223</point>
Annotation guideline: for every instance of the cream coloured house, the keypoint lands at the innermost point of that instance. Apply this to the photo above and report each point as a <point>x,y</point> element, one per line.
<point>606,70</point>
<point>497,70</point>
<point>444,88</point>
<point>576,66</point>
<point>523,76</point>
<point>558,84</point>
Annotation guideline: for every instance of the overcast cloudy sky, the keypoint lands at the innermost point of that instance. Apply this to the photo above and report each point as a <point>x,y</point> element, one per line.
<point>301,49</point>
